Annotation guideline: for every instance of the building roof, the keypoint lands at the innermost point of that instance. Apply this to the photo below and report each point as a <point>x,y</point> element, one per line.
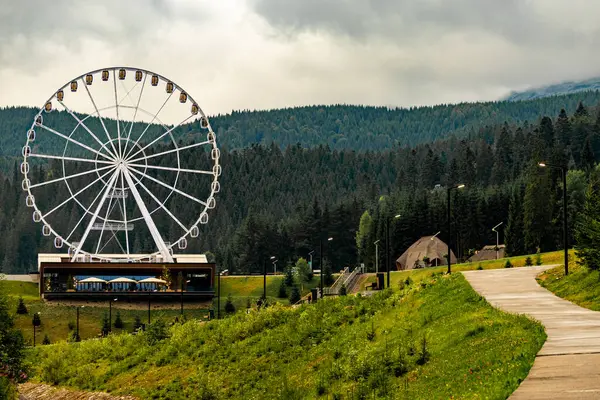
<point>64,257</point>
<point>488,253</point>
<point>428,246</point>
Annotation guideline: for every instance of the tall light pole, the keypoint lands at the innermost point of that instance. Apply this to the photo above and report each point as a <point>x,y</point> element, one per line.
<point>563,171</point>
<point>182,295</point>
<point>321,264</point>
<point>433,237</point>
<point>387,247</point>
<point>377,256</point>
<point>497,238</point>
<point>110,313</point>
<point>77,337</point>
<point>274,261</point>
<point>449,225</point>
<point>264,280</point>
<point>310,254</point>
<point>219,292</point>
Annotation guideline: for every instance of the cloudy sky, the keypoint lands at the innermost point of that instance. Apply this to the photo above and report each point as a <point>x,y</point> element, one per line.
<point>260,54</point>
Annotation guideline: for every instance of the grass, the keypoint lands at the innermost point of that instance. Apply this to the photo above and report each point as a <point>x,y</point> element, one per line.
<point>435,338</point>
<point>581,286</point>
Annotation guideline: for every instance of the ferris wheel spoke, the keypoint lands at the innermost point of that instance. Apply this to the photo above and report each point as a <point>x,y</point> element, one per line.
<point>170,187</point>
<point>193,171</point>
<point>185,229</point>
<point>70,158</point>
<point>114,236</point>
<point>67,138</point>
<point>99,117</point>
<point>160,137</point>
<point>137,106</point>
<point>80,122</point>
<point>149,124</point>
<point>64,178</point>
<point>117,110</point>
<point>108,211</point>
<point>73,196</point>
<point>95,216</point>
<point>124,213</point>
<point>83,216</point>
<point>191,146</point>
<point>160,244</point>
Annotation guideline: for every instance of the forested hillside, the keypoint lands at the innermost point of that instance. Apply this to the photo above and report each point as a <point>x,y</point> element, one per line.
<point>280,202</point>
<point>342,127</point>
<point>558,89</point>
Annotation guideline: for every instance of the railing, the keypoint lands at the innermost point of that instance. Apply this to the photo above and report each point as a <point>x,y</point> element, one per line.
<point>347,279</point>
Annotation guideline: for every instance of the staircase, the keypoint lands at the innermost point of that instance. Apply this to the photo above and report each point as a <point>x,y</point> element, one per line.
<point>347,279</point>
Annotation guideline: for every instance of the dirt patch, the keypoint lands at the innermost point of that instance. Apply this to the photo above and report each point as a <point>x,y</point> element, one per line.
<point>31,391</point>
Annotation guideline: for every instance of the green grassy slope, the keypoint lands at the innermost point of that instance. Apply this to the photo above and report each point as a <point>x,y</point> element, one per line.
<point>436,338</point>
<point>581,286</point>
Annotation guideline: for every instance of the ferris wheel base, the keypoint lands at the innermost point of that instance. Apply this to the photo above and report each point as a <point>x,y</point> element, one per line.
<point>190,277</point>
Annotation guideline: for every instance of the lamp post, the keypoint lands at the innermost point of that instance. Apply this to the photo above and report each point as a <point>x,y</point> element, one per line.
<point>387,247</point>
<point>274,261</point>
<point>35,322</point>
<point>321,263</point>
<point>433,237</point>
<point>497,238</point>
<point>376,256</point>
<point>310,254</point>
<point>77,337</point>
<point>149,294</point>
<point>563,171</point>
<point>264,280</point>
<point>449,226</point>
<point>182,295</point>
<point>110,313</point>
<point>219,293</point>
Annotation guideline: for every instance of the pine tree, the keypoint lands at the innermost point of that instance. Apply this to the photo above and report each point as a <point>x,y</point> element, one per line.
<point>563,128</point>
<point>537,212</point>
<point>587,230</point>
<point>46,339</point>
<point>21,308</point>
<point>137,323</point>
<point>289,276</point>
<point>295,295</point>
<point>118,321</point>
<point>513,237</point>
<point>282,290</point>
<point>105,326</point>
<point>327,273</point>
<point>362,236</point>
<point>229,307</point>
<point>343,290</point>
<point>587,155</point>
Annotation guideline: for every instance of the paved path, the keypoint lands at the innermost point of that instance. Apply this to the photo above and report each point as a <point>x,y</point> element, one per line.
<point>568,365</point>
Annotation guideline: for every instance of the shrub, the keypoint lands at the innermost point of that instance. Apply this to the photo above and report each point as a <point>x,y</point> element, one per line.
<point>343,290</point>
<point>73,336</point>
<point>282,290</point>
<point>424,353</point>
<point>508,264</point>
<point>528,261</point>
<point>21,308</point>
<point>71,325</point>
<point>118,321</point>
<point>156,332</point>
<point>480,267</point>
<point>137,323</point>
<point>371,333</point>
<point>408,281</point>
<point>289,277</point>
<point>327,274</point>
<point>105,326</point>
<point>229,307</point>
<point>46,339</point>
<point>295,295</point>
<point>538,258</point>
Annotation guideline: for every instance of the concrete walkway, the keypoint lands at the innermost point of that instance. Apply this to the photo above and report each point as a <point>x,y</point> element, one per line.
<point>568,365</point>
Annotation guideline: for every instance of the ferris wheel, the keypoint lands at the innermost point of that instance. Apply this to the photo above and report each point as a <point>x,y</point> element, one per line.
<point>121,164</point>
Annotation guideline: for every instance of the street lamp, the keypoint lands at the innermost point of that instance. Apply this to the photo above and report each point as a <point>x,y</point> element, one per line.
<point>497,242</point>
<point>563,171</point>
<point>110,313</point>
<point>377,256</point>
<point>77,337</point>
<point>321,263</point>
<point>387,247</point>
<point>310,254</point>
<point>274,261</point>
<point>433,237</point>
<point>35,322</point>
<point>182,296</point>
<point>449,225</point>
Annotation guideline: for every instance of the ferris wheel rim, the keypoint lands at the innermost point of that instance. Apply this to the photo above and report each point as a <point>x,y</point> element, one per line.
<point>116,172</point>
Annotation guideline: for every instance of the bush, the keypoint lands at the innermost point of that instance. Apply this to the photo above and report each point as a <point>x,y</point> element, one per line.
<point>538,258</point>
<point>229,307</point>
<point>21,308</point>
<point>46,339</point>
<point>118,321</point>
<point>424,353</point>
<point>480,267</point>
<point>282,290</point>
<point>327,274</point>
<point>105,327</point>
<point>408,281</point>
<point>289,277</point>
<point>508,264</point>
<point>156,332</point>
<point>528,261</point>
<point>295,295</point>
<point>73,337</point>
<point>137,323</point>
<point>343,290</point>
<point>71,325</point>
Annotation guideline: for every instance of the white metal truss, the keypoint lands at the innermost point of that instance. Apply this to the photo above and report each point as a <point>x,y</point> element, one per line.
<point>110,155</point>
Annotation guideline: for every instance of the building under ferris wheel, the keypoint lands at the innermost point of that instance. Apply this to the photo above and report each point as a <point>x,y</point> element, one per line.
<point>121,169</point>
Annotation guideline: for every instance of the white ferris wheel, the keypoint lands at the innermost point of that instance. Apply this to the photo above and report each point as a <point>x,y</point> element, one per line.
<point>121,164</point>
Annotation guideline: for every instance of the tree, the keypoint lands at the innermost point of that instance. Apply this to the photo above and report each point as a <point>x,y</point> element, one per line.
<point>327,274</point>
<point>363,235</point>
<point>137,323</point>
<point>343,290</point>
<point>105,326</point>
<point>46,339</point>
<point>304,271</point>
<point>166,276</point>
<point>587,230</point>
<point>229,307</point>
<point>587,155</point>
<point>36,320</point>
<point>11,341</point>
<point>289,277</point>
<point>282,290</point>
<point>513,237</point>
<point>537,212</point>
<point>295,295</point>
<point>21,308</point>
<point>118,321</point>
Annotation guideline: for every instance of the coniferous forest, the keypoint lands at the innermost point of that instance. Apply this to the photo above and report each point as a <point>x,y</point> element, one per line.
<point>292,177</point>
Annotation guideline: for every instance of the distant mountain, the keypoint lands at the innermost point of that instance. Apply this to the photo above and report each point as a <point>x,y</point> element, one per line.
<point>592,84</point>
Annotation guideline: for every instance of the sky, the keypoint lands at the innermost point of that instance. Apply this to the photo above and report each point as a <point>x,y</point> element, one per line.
<point>263,54</point>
